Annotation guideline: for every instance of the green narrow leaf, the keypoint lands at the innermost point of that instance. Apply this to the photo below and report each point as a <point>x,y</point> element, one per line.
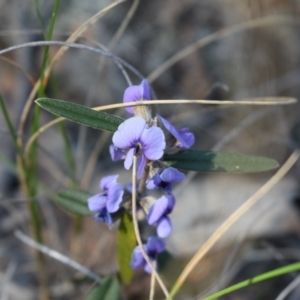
<point>210,161</point>
<point>126,242</point>
<point>73,201</point>
<point>81,114</point>
<point>108,290</point>
<point>268,275</point>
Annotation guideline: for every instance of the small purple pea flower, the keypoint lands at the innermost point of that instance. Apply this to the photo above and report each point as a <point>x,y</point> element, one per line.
<point>135,137</point>
<point>136,93</point>
<point>165,179</point>
<point>153,247</point>
<point>184,139</point>
<point>107,202</point>
<point>158,214</point>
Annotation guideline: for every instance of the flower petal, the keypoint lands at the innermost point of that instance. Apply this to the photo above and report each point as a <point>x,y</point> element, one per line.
<point>188,137</point>
<point>141,163</point>
<point>146,90</point>
<point>129,133</point>
<point>104,216</point>
<point>171,175</point>
<point>97,202</point>
<point>153,143</point>
<point>157,210</point>
<point>136,93</point>
<point>115,153</point>
<point>171,203</point>
<point>132,94</point>
<point>137,259</point>
<point>114,197</point>
<point>155,245</point>
<point>164,227</point>
<point>129,159</point>
<point>147,268</point>
<point>153,182</point>
<point>183,136</point>
<point>107,181</point>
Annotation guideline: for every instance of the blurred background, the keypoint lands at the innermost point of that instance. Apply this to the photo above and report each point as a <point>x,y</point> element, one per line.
<point>234,50</point>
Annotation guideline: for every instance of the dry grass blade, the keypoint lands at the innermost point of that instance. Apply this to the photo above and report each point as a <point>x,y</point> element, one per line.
<point>264,21</point>
<point>254,101</point>
<point>232,219</point>
<point>261,101</point>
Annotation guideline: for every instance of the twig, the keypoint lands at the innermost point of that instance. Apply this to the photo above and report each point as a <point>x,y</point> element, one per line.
<point>137,232</point>
<point>56,255</point>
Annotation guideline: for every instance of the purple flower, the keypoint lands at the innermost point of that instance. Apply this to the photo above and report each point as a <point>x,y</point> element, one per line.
<point>107,202</point>
<point>153,247</point>
<point>184,139</point>
<point>137,93</point>
<point>134,137</point>
<point>165,179</point>
<point>158,214</point>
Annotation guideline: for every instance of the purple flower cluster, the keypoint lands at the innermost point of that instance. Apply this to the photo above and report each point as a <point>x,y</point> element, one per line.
<point>107,202</point>
<point>147,139</point>
<point>153,247</point>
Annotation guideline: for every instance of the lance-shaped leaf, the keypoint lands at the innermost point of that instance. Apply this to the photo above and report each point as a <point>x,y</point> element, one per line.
<point>126,242</point>
<point>109,289</point>
<point>81,114</point>
<point>73,201</point>
<point>210,161</point>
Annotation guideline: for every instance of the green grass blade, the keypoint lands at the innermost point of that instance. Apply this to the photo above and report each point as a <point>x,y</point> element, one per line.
<point>224,162</point>
<point>81,114</point>
<point>268,275</point>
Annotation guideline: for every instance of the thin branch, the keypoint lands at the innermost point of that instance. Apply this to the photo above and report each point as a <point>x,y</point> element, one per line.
<point>56,255</point>
<point>137,232</point>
